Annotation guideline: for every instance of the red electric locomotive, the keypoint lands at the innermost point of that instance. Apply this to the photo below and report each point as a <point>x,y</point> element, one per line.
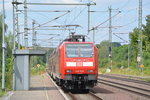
<point>74,63</point>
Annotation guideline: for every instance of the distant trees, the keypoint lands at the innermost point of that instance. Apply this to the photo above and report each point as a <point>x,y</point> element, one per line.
<point>120,52</point>
<point>145,42</point>
<point>146,33</point>
<point>104,53</point>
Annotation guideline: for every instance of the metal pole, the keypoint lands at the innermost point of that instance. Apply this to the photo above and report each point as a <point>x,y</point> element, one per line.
<point>25,24</point>
<point>128,54</point>
<point>140,60</point>
<point>17,27</point>
<point>94,35</point>
<point>33,33</point>
<point>14,47</point>
<point>35,38</point>
<point>3,48</point>
<point>88,18</point>
<point>110,37</point>
<point>18,37</point>
<point>14,26</point>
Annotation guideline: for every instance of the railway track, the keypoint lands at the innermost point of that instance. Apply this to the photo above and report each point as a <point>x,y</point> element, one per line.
<point>88,96</point>
<point>129,76</point>
<point>75,96</point>
<point>139,87</point>
<point>126,78</point>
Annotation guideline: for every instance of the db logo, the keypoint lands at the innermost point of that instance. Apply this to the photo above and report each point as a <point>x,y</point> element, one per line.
<point>79,63</point>
<point>79,71</point>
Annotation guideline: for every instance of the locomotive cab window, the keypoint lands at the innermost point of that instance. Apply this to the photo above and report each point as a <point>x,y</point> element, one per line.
<point>79,50</point>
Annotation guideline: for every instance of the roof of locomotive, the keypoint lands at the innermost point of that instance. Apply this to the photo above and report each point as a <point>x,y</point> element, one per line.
<point>68,42</point>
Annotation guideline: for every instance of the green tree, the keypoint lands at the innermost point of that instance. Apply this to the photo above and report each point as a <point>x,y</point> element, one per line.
<point>9,43</point>
<point>146,33</point>
<point>1,37</point>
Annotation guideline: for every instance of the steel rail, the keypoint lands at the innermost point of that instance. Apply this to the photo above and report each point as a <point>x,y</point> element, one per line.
<point>92,94</point>
<point>133,89</point>
<point>75,96</point>
<point>119,77</point>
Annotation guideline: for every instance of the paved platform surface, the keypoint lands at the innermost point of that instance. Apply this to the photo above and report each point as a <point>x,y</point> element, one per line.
<point>41,88</point>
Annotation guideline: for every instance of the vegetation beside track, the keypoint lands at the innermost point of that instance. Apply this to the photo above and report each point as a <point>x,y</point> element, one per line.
<point>126,71</point>
<point>120,54</point>
<point>37,70</point>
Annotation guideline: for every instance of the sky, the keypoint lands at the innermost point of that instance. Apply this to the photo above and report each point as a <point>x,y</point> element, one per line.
<point>124,22</point>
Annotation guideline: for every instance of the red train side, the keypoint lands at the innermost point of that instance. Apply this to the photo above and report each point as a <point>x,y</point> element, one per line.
<point>74,65</point>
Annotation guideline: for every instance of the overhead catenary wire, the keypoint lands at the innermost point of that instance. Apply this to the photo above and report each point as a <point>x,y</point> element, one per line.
<point>52,20</point>
<point>104,22</point>
<point>78,15</point>
<point>46,10</point>
<point>47,34</point>
<point>44,40</point>
<point>125,13</point>
<point>68,11</point>
<point>47,42</point>
<point>125,25</point>
<point>126,4</point>
<point>65,21</point>
<point>120,38</point>
<point>70,23</point>
<point>39,25</point>
<point>69,4</point>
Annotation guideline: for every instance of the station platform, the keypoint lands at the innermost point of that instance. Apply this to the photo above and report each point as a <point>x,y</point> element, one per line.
<point>41,88</point>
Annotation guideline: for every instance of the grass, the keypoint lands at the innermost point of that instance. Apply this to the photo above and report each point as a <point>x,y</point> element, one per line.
<point>132,71</point>
<point>8,84</point>
<point>2,93</point>
<point>37,70</point>
<point>147,79</point>
<point>127,71</point>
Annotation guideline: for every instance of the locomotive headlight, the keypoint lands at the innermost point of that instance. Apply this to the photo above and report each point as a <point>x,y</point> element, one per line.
<point>68,71</point>
<point>89,70</point>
